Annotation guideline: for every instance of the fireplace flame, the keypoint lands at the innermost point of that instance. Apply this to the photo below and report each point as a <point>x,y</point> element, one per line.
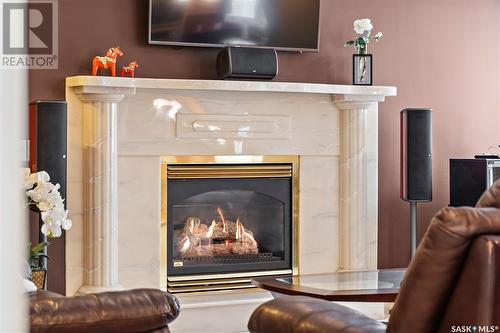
<point>224,224</point>
<point>244,235</point>
<point>239,227</point>
<point>185,244</point>
<point>211,229</point>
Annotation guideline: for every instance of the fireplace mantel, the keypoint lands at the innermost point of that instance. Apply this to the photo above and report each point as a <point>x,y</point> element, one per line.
<point>120,128</point>
<point>129,85</point>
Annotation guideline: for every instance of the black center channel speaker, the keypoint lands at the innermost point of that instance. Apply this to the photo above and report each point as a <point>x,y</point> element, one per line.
<point>48,146</point>
<point>416,162</point>
<point>247,63</point>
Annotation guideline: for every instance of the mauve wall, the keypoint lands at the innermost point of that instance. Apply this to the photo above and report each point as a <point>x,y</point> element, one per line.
<point>442,54</point>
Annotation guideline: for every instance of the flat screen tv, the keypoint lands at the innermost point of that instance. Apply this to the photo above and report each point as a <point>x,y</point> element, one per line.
<point>286,25</point>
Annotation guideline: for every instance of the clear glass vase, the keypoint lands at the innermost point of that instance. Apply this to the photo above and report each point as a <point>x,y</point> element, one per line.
<point>362,68</point>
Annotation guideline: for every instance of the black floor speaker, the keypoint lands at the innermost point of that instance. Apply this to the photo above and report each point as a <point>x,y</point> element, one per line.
<point>247,63</point>
<point>48,149</point>
<point>416,155</point>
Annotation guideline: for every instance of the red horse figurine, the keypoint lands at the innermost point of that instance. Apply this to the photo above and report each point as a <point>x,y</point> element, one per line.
<point>107,62</point>
<point>130,69</point>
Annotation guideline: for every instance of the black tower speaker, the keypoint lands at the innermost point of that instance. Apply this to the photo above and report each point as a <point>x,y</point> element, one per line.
<point>416,155</point>
<point>247,63</point>
<point>48,149</point>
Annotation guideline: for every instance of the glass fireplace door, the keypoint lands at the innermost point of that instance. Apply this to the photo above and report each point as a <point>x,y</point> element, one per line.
<point>227,225</point>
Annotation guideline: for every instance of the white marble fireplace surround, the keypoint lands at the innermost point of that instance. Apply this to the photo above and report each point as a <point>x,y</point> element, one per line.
<point>120,127</point>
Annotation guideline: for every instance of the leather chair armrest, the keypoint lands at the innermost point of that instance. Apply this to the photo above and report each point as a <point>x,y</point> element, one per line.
<point>139,310</point>
<point>475,298</point>
<point>309,315</point>
<point>42,294</point>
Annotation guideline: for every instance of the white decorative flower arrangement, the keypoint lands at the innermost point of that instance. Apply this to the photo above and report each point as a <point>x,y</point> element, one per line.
<point>363,28</point>
<point>46,198</point>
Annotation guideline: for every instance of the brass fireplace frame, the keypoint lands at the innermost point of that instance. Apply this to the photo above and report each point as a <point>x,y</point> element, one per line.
<point>226,281</point>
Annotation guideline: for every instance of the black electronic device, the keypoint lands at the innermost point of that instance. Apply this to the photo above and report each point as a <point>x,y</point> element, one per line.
<point>469,178</point>
<point>48,150</point>
<point>486,156</point>
<point>285,25</point>
<point>416,155</point>
<point>247,63</point>
<point>416,162</point>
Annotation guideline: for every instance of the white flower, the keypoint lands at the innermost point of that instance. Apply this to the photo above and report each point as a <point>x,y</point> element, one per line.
<point>45,205</point>
<point>30,179</point>
<point>43,177</point>
<point>67,224</point>
<point>51,230</point>
<point>378,35</point>
<point>46,195</point>
<point>55,215</point>
<point>56,231</point>
<point>49,201</point>
<point>53,199</point>
<point>55,219</point>
<point>40,192</point>
<point>362,25</point>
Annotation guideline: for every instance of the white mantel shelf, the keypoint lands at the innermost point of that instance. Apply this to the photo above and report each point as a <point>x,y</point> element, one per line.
<point>220,85</point>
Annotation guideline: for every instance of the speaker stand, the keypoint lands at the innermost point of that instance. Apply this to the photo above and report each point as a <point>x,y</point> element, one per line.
<point>413,227</point>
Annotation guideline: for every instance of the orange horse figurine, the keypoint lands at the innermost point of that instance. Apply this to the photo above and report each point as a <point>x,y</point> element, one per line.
<point>130,69</point>
<point>107,62</point>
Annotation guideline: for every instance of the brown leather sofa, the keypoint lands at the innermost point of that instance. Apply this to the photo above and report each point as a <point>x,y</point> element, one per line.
<point>132,311</point>
<point>451,285</point>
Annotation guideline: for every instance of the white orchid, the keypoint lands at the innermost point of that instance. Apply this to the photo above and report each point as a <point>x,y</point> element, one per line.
<point>67,224</point>
<point>43,177</point>
<point>51,200</point>
<point>40,192</point>
<point>363,28</point>
<point>51,230</point>
<point>56,215</point>
<point>48,200</point>
<point>45,206</point>
<point>30,179</point>
<point>54,221</point>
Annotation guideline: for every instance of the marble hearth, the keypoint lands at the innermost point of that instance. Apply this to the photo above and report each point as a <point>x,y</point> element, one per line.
<point>120,128</point>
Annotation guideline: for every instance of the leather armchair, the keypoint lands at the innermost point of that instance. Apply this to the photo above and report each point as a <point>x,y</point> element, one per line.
<point>132,311</point>
<point>451,281</point>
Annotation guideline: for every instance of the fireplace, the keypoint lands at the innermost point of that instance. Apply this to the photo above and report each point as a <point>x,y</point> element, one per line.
<point>227,219</point>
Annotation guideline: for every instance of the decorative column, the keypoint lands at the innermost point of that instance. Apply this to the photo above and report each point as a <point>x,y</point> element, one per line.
<point>358,180</point>
<point>100,214</point>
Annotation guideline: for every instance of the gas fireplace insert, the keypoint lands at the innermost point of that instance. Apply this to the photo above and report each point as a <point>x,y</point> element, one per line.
<point>227,222</point>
